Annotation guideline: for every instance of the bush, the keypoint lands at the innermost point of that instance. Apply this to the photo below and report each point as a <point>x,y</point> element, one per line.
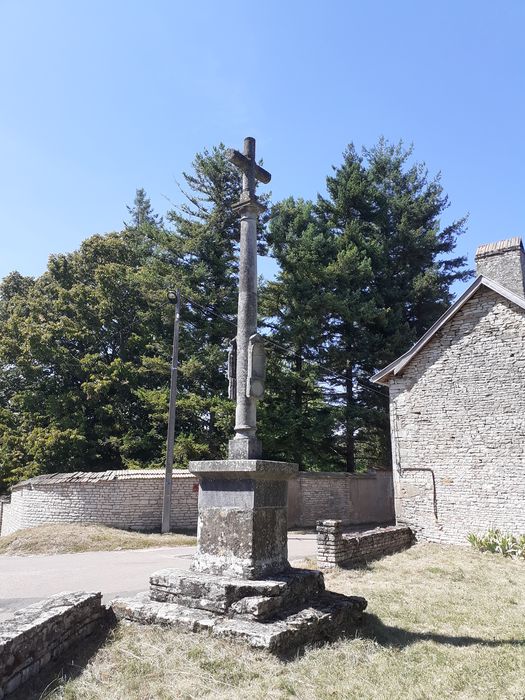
<point>499,542</point>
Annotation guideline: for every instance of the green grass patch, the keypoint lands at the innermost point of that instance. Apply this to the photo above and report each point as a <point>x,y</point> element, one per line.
<point>441,622</point>
<point>498,542</point>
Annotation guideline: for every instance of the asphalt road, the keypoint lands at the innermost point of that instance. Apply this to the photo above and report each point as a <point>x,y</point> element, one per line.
<point>24,580</point>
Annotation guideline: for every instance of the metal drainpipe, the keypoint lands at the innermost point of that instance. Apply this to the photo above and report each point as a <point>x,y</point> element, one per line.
<point>413,469</point>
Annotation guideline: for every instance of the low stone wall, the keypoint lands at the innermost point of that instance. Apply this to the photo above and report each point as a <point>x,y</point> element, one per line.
<point>355,499</point>
<point>130,500</point>
<point>41,633</point>
<point>335,548</point>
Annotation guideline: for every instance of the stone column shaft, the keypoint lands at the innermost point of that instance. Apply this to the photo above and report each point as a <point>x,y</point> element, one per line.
<point>245,444</point>
<point>245,411</point>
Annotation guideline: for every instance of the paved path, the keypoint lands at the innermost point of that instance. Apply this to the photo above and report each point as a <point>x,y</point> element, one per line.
<point>24,580</point>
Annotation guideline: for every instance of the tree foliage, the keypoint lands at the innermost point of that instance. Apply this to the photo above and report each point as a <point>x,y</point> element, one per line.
<point>363,272</point>
<point>85,348</point>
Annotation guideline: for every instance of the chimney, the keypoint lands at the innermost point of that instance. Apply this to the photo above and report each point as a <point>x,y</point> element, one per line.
<point>503,262</point>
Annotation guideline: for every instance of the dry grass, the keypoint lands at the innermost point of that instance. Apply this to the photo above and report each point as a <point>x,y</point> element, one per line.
<point>443,622</point>
<point>60,539</point>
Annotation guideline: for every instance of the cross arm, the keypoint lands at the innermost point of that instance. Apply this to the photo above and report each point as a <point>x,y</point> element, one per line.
<point>243,163</point>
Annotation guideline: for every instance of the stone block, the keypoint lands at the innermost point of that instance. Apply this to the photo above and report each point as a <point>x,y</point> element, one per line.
<point>257,599</point>
<point>242,529</point>
<point>328,616</point>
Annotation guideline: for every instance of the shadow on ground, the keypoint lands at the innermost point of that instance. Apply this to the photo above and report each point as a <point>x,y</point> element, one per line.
<point>71,665</point>
<point>386,635</point>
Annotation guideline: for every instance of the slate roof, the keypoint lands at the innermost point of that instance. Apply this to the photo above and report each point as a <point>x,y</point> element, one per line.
<point>384,375</point>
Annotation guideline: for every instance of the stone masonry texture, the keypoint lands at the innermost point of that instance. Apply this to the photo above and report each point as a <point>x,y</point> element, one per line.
<point>335,548</point>
<point>43,632</point>
<point>356,499</point>
<point>127,500</point>
<point>133,499</point>
<point>503,262</point>
<point>457,414</point>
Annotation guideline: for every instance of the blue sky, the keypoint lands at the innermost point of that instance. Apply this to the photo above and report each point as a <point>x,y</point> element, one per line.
<point>101,97</point>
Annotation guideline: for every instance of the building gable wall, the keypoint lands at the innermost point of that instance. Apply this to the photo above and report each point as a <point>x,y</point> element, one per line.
<point>458,425</point>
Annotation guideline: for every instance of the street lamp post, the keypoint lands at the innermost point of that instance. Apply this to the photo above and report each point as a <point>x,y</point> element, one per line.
<point>174,298</point>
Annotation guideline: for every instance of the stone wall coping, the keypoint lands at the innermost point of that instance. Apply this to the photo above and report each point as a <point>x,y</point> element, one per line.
<point>129,474</point>
<point>488,249</point>
<point>42,611</point>
<point>98,477</point>
<point>41,633</point>
<point>247,468</point>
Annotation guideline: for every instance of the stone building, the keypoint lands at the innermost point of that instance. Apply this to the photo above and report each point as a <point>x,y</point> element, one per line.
<point>457,409</point>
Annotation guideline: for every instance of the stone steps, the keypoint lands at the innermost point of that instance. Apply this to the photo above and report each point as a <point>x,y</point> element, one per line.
<point>326,617</point>
<point>250,598</point>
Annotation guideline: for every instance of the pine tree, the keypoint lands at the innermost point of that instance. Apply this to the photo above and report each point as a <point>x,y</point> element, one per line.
<point>204,242</point>
<point>293,306</point>
<point>364,272</point>
<point>142,213</point>
<point>392,274</point>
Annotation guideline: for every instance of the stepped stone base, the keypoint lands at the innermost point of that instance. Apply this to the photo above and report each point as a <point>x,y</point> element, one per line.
<point>250,598</point>
<point>278,614</point>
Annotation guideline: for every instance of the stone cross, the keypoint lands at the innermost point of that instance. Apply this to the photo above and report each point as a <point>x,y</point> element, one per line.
<point>247,361</point>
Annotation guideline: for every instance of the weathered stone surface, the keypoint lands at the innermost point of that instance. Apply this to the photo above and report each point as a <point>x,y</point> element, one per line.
<point>128,499</point>
<point>504,262</point>
<point>249,543</point>
<point>257,607</point>
<point>249,376</point>
<point>247,448</point>
<point>230,596</point>
<point>146,611</point>
<point>252,468</point>
<point>243,524</point>
<point>326,617</point>
<point>457,415</point>
<point>242,493</point>
<point>42,632</point>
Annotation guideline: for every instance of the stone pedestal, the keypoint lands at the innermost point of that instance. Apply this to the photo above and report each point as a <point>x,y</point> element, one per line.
<point>244,448</point>
<point>241,584</point>
<point>243,524</point>
<point>279,615</point>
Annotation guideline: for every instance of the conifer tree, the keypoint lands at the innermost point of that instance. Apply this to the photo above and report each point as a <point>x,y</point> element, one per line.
<point>141,213</point>
<point>85,348</point>
<point>76,352</point>
<point>294,308</point>
<point>203,242</point>
<point>381,277</point>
